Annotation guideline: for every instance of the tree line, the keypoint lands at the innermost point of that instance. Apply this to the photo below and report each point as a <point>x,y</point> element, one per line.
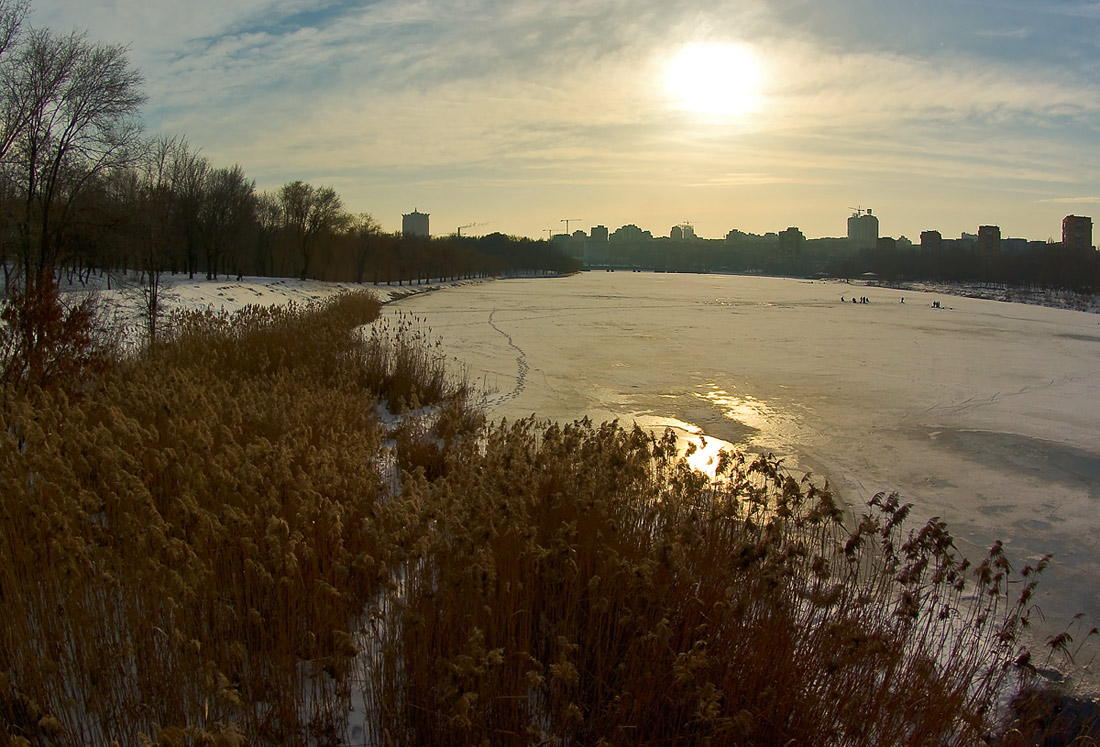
<point>1050,266</point>
<point>83,190</point>
<point>1047,266</point>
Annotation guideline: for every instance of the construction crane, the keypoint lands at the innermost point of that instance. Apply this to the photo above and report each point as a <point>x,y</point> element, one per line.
<point>566,221</point>
<point>549,233</point>
<point>859,210</point>
<point>469,225</point>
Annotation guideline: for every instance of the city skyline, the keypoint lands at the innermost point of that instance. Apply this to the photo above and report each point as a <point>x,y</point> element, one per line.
<point>1082,230</point>
<point>517,116</point>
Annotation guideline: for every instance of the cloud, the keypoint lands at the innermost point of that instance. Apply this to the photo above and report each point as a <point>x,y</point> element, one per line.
<point>463,95</point>
<point>1076,9</point>
<point>1019,33</point>
<point>1072,200</point>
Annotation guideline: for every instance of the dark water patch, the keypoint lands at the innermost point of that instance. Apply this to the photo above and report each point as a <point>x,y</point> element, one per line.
<point>1083,338</point>
<point>709,418</point>
<point>1049,460</point>
<point>1034,525</point>
<point>997,509</point>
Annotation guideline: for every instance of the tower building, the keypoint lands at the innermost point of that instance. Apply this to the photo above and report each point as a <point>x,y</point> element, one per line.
<point>931,241</point>
<point>989,241</point>
<point>862,229</point>
<point>414,224</point>
<point>1077,232</point>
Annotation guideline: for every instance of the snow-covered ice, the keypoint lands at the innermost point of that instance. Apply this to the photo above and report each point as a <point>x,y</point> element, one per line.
<point>984,413</point>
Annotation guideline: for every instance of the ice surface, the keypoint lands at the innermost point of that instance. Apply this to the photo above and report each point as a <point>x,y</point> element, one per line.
<point>984,413</point>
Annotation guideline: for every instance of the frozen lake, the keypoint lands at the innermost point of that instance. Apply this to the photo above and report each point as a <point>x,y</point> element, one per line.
<point>984,413</point>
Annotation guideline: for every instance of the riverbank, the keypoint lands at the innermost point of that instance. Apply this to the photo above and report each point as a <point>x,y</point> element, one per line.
<point>565,499</point>
<point>1053,299</point>
<point>981,413</point>
<point>123,296</point>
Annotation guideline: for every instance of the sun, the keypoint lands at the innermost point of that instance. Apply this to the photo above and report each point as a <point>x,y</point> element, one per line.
<point>719,79</point>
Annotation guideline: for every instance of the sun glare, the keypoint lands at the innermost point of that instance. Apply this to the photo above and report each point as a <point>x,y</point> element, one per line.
<point>714,79</point>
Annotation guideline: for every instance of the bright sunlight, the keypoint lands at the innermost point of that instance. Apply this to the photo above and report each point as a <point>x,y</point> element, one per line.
<point>714,79</point>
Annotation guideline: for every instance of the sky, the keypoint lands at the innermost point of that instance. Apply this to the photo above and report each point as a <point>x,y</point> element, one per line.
<point>517,115</point>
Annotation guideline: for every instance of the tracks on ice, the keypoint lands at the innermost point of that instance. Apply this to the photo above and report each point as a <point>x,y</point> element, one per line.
<point>521,366</point>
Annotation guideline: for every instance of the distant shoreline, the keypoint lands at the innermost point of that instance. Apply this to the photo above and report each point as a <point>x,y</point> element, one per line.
<point>1068,300</point>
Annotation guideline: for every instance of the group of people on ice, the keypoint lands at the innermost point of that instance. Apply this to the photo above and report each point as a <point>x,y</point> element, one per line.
<point>864,299</point>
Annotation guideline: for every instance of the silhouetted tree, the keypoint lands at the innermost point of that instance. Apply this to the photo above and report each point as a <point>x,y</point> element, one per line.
<point>79,101</point>
<point>363,232</point>
<point>266,225</point>
<point>189,184</point>
<point>159,234</point>
<point>224,214</point>
<point>310,214</point>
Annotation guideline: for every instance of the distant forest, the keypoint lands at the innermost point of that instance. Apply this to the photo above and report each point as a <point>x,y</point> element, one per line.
<point>164,208</point>
<point>83,190</point>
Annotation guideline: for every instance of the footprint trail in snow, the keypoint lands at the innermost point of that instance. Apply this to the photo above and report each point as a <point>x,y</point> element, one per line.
<point>521,366</point>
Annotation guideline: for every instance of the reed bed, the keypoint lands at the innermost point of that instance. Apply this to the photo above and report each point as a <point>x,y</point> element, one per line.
<point>200,545</point>
<point>187,543</point>
<point>581,586</point>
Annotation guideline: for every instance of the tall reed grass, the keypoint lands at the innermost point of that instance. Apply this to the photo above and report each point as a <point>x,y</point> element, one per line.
<point>184,552</point>
<point>581,586</point>
<point>201,546</point>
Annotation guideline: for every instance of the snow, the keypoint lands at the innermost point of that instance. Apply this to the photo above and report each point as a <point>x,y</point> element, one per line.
<point>122,294</point>
<point>982,412</point>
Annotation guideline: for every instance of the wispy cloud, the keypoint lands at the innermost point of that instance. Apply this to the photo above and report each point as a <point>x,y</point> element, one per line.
<point>427,94</point>
<point>1072,200</point>
<point>1019,33</point>
<point>1076,9</point>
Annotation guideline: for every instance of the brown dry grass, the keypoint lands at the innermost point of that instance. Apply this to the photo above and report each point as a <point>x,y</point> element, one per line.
<point>576,585</point>
<point>189,545</point>
<point>204,548</point>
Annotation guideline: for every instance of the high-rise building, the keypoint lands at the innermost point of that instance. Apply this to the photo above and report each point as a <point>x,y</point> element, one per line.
<point>597,250</point>
<point>792,240</point>
<point>931,241</point>
<point>1077,232</point>
<point>862,229</point>
<point>414,224</point>
<point>791,243</point>
<point>682,232</point>
<point>630,234</point>
<point>989,241</point>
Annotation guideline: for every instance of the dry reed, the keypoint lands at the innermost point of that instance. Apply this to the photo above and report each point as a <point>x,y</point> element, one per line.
<point>185,550</point>
<point>200,546</point>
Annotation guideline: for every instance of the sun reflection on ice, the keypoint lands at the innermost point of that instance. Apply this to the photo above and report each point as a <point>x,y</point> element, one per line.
<point>746,410</point>
<point>705,455</point>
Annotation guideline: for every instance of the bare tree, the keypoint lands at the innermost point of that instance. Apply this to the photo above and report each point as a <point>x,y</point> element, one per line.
<point>81,100</point>
<point>14,99</point>
<point>13,118</point>
<point>189,183</point>
<point>224,213</point>
<point>157,214</point>
<point>363,231</point>
<point>310,214</point>
<point>267,222</point>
